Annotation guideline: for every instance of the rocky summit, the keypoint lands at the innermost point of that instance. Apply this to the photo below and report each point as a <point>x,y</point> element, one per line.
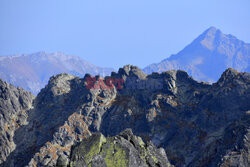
<point>126,119</point>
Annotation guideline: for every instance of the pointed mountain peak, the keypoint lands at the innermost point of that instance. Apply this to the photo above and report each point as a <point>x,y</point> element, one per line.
<point>212,38</point>
<point>211,31</point>
<point>208,37</point>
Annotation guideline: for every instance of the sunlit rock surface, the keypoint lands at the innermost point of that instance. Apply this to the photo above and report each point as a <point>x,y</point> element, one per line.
<point>197,124</point>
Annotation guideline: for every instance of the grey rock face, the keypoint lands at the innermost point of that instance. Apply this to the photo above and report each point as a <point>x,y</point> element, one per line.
<point>62,116</point>
<point>208,56</point>
<point>14,104</point>
<point>186,117</point>
<point>196,123</point>
<point>122,150</point>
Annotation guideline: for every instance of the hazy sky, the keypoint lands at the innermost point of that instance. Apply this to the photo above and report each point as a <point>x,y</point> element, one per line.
<point>112,33</point>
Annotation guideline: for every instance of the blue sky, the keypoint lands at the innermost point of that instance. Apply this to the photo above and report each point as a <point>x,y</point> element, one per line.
<point>112,33</point>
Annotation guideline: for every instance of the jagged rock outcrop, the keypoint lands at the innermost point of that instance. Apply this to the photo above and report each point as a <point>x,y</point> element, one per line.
<point>57,121</point>
<point>185,117</point>
<point>14,104</point>
<point>197,124</point>
<point>124,150</point>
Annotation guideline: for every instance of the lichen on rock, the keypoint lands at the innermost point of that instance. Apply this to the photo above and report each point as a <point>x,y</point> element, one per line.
<point>124,150</point>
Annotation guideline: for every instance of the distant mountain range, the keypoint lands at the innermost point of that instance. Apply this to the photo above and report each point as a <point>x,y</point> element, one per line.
<point>208,56</point>
<point>204,59</point>
<point>32,71</point>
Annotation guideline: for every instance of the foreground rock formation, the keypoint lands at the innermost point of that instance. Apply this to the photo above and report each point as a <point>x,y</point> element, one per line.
<point>14,104</point>
<point>122,150</point>
<point>196,123</point>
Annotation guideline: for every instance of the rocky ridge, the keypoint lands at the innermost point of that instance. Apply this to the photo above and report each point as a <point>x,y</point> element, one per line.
<point>14,106</point>
<point>198,124</point>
